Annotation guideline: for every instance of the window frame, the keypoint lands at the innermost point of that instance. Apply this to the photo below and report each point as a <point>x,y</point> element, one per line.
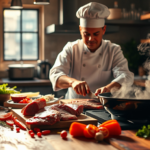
<point>4,63</point>
<point>21,34</point>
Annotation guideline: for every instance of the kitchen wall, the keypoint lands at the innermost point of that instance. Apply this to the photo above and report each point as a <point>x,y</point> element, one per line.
<point>55,43</point>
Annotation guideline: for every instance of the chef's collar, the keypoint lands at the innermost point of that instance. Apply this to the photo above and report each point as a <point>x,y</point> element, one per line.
<point>98,51</point>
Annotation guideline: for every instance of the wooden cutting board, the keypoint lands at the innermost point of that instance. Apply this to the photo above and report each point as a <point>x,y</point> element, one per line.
<point>64,101</point>
<point>11,104</point>
<point>62,124</point>
<point>129,141</point>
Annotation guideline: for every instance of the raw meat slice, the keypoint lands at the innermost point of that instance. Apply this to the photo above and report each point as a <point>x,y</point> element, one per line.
<point>74,109</point>
<point>44,117</point>
<point>48,114</point>
<point>40,121</point>
<point>64,114</point>
<point>33,107</point>
<point>88,104</point>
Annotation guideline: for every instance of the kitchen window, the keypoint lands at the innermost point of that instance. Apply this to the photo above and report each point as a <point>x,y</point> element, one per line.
<point>21,40</point>
<point>20,34</point>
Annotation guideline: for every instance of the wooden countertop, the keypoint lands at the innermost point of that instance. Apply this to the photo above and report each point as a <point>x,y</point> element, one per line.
<point>18,83</point>
<point>16,141</point>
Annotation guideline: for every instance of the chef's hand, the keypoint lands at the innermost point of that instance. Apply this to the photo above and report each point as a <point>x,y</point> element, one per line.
<point>80,87</point>
<point>102,90</point>
<point>107,88</point>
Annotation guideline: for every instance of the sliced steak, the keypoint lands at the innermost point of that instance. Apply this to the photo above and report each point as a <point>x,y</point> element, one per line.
<point>32,108</point>
<point>88,104</point>
<point>45,117</point>
<point>64,114</point>
<point>40,121</point>
<point>75,109</point>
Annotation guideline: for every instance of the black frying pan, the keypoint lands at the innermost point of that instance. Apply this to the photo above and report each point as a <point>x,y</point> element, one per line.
<point>122,106</point>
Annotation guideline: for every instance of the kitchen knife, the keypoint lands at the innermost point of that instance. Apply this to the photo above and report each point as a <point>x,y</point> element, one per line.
<point>93,96</point>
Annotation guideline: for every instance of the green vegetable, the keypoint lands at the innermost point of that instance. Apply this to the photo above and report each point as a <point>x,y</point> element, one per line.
<point>4,124</point>
<point>7,90</point>
<point>144,132</point>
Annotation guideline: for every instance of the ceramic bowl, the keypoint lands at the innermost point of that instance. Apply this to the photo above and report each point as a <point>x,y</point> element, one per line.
<point>4,98</point>
<point>17,97</point>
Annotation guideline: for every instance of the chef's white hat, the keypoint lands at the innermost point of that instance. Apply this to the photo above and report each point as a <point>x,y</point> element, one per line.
<point>92,15</point>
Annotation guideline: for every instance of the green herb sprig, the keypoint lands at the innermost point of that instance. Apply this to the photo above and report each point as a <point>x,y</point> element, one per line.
<point>4,124</point>
<point>144,132</point>
<point>7,90</point>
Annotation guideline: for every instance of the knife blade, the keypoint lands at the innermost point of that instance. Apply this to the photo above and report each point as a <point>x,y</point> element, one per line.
<point>93,96</point>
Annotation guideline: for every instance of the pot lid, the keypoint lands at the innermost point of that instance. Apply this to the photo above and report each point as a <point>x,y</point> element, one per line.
<point>21,66</point>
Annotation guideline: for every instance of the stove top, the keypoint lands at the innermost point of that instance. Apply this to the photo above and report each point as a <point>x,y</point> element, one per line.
<point>126,124</point>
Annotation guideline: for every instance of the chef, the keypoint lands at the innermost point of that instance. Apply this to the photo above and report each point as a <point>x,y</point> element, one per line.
<point>91,63</point>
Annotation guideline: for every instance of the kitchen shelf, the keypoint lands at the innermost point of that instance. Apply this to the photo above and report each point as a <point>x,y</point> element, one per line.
<point>25,83</point>
<point>127,22</point>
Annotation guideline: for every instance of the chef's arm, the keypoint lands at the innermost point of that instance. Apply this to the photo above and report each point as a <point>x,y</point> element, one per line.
<point>80,87</point>
<point>107,88</point>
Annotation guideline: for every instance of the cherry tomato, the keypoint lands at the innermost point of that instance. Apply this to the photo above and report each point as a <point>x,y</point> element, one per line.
<point>39,134</point>
<point>4,117</point>
<point>17,129</point>
<point>63,134</point>
<point>10,122</point>
<point>104,131</point>
<point>21,101</point>
<point>36,129</point>
<point>32,134</point>
<point>30,131</point>
<point>46,132</point>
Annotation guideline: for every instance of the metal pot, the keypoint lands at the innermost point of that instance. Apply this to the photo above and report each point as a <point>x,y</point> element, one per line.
<point>130,108</point>
<point>21,71</point>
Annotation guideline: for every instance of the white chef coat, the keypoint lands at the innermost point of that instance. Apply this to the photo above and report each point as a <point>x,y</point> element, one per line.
<point>107,64</point>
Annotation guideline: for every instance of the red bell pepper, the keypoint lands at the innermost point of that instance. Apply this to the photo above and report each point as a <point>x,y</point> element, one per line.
<point>112,126</point>
<point>77,129</point>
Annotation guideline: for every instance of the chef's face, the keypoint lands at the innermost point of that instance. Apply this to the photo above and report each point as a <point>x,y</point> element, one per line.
<point>92,37</point>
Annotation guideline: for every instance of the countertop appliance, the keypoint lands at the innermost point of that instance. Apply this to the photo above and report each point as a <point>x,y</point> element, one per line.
<point>43,68</point>
<point>21,71</point>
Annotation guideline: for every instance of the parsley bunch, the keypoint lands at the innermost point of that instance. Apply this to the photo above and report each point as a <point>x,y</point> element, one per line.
<point>7,90</point>
<point>144,132</point>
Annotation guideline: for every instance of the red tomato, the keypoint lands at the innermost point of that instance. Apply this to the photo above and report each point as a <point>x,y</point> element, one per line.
<point>21,101</point>
<point>19,124</point>
<point>32,135</point>
<point>46,132</point>
<point>30,131</point>
<point>104,131</point>
<point>63,134</point>
<point>17,129</point>
<point>39,134</point>
<point>10,122</point>
<point>4,117</point>
<point>36,129</point>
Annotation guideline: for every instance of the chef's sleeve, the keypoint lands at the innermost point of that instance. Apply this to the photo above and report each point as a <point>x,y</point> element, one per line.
<point>120,68</point>
<point>61,65</point>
